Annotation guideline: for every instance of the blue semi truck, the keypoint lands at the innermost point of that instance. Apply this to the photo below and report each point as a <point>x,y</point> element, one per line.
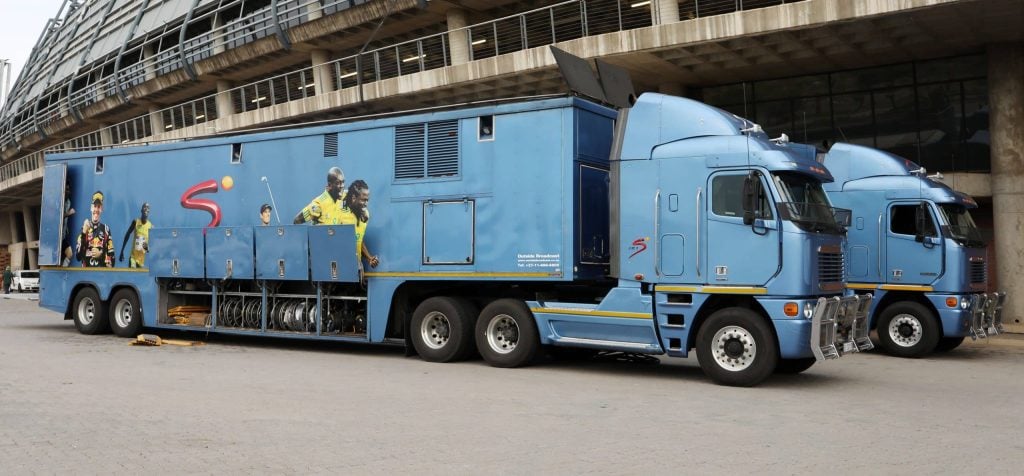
<point>914,245</point>
<point>497,229</point>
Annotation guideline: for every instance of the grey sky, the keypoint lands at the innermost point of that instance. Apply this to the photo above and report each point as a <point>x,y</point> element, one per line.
<point>21,22</point>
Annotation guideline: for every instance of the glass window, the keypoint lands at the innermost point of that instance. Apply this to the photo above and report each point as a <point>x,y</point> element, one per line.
<point>728,94</point>
<point>727,197</point>
<point>902,221</point>
<point>945,69</point>
<point>775,117</point>
<point>976,136</point>
<point>812,118</point>
<point>791,87</point>
<point>873,78</point>
<point>853,118</point>
<point>940,125</point>
<point>896,121</point>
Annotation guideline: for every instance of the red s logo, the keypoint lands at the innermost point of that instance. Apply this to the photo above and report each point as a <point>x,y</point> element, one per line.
<point>639,246</point>
<point>209,186</point>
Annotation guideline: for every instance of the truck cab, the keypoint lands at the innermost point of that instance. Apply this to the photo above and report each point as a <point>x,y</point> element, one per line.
<point>914,244</point>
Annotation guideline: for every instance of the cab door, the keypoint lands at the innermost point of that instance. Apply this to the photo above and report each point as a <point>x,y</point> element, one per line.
<point>907,260</point>
<point>739,254</point>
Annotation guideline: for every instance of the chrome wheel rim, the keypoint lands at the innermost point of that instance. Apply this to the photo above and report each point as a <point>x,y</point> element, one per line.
<point>435,330</point>
<point>123,313</point>
<point>503,334</point>
<point>733,348</point>
<point>905,330</point>
<point>86,311</point>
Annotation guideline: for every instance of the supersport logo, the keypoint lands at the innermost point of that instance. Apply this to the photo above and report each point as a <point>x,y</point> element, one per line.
<point>209,186</point>
<point>639,246</point>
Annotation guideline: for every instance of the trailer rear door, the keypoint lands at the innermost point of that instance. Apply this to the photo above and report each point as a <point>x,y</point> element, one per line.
<point>51,231</point>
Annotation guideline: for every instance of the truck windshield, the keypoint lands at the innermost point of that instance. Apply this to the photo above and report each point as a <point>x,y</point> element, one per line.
<point>960,226</point>
<point>805,204</point>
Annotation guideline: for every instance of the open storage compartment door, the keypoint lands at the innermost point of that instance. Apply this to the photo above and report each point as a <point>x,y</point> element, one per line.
<point>229,253</point>
<point>332,252</point>
<point>51,231</point>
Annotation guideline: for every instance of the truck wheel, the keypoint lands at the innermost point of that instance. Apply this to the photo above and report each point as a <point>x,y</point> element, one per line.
<point>442,329</point>
<point>736,347</point>
<point>907,329</point>
<point>506,334</point>
<point>125,313</point>
<point>793,366</point>
<point>89,313</point>
<point>947,344</point>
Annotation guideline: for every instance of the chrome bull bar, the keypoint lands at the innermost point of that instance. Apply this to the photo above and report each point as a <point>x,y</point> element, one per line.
<point>840,326</point>
<point>986,314</point>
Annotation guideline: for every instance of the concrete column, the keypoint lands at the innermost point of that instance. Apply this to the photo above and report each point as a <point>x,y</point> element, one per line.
<point>106,136</point>
<point>458,37</point>
<point>322,72</point>
<point>225,107</point>
<point>1006,128</point>
<point>6,237</point>
<point>12,227</point>
<point>156,120</point>
<point>218,35</point>
<point>31,224</point>
<point>149,61</point>
<point>314,10</point>
<point>664,12</point>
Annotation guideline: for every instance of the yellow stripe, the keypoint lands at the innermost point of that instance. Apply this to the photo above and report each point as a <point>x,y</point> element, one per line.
<point>733,290</point>
<point>905,287</point>
<point>861,285</point>
<point>100,270</point>
<point>589,312</point>
<point>678,289</point>
<point>460,275</point>
<point>713,289</point>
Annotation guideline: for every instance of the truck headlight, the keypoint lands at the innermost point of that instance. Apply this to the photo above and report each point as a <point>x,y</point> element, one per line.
<point>964,303</point>
<point>808,310</point>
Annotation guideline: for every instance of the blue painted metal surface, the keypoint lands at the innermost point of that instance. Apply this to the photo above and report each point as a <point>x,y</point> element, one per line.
<point>282,252</point>
<point>176,252</point>
<point>54,225</point>
<point>229,253</point>
<point>332,253</point>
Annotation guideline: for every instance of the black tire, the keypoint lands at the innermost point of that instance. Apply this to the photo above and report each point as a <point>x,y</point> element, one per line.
<point>89,313</point>
<point>947,344</point>
<point>125,313</point>
<point>736,347</point>
<point>441,329</point>
<point>793,366</point>
<point>506,334</point>
<point>908,329</point>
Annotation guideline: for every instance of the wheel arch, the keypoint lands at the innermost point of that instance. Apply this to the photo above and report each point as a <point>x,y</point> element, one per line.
<point>717,302</point>
<point>894,297</point>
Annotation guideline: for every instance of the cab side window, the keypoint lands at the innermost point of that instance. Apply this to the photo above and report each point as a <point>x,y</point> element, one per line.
<point>902,217</point>
<point>727,197</point>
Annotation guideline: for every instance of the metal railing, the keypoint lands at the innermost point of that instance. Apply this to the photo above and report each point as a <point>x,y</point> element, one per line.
<point>555,23</point>
<point>24,165</point>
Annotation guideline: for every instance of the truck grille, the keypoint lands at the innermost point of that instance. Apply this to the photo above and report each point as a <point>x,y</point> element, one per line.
<point>831,269</point>
<point>978,271</point>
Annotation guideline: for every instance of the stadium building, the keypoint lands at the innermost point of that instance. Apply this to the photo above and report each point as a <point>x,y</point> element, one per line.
<point>936,81</point>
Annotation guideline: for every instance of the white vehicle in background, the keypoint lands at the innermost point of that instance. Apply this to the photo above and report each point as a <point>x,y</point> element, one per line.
<point>25,280</point>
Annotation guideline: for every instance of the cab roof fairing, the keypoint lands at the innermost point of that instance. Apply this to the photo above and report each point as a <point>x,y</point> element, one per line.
<point>657,119</point>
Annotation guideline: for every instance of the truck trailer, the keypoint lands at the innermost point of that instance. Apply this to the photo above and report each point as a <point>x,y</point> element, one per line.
<point>499,229</point>
<point>914,245</point>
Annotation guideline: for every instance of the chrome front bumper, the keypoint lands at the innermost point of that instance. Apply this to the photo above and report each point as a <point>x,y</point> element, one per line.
<point>986,314</point>
<point>840,326</point>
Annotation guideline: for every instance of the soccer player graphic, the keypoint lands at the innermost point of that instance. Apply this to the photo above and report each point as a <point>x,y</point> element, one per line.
<point>95,247</point>
<point>140,245</point>
<point>356,213</point>
<point>325,209</point>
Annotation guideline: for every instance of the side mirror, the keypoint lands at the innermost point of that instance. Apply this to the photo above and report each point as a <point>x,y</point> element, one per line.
<point>920,221</point>
<point>751,193</point>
